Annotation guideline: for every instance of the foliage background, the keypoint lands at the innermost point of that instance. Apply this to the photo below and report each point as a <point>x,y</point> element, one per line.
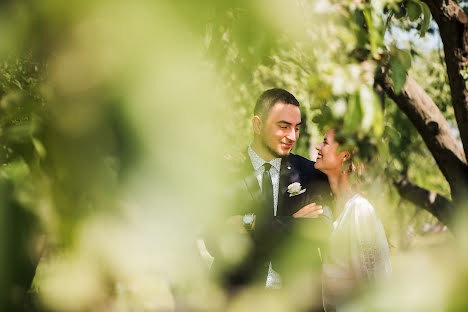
<point>116,117</point>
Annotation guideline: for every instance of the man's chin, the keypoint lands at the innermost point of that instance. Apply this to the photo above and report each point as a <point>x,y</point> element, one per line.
<point>283,153</point>
<point>279,152</point>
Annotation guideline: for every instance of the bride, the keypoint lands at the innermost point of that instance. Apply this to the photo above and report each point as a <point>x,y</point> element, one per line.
<point>358,250</point>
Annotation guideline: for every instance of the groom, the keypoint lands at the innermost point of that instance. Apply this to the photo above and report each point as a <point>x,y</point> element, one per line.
<point>279,193</point>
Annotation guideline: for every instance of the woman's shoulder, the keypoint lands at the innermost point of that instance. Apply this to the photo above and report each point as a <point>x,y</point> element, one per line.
<point>360,206</point>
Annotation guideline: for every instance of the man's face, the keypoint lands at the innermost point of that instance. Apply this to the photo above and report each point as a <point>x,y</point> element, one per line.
<point>280,130</point>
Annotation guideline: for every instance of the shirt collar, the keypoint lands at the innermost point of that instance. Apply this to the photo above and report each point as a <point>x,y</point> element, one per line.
<point>257,161</point>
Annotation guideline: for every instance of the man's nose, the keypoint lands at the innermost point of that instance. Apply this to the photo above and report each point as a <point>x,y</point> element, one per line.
<point>292,135</point>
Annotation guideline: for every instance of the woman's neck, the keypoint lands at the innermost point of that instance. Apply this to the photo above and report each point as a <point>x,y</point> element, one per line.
<point>340,186</point>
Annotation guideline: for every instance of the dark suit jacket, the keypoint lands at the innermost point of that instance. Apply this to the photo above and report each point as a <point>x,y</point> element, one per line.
<point>273,233</point>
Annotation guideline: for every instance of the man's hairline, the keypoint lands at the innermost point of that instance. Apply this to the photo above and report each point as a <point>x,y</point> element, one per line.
<point>278,102</point>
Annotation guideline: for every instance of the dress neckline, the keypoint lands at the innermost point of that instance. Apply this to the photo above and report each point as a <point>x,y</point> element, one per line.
<point>352,198</point>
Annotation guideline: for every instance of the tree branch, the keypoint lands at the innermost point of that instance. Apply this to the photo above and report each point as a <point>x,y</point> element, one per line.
<point>453,22</point>
<point>439,206</point>
<point>433,128</point>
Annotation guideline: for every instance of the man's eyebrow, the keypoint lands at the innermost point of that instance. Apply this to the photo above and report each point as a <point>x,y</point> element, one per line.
<point>288,123</point>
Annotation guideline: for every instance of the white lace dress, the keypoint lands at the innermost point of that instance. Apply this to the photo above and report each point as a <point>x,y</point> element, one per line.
<point>358,251</point>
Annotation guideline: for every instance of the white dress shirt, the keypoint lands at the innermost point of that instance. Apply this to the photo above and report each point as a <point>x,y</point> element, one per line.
<point>257,163</point>
<point>273,279</point>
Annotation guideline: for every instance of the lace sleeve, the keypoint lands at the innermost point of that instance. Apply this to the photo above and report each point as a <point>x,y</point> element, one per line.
<point>374,259</point>
<point>371,253</point>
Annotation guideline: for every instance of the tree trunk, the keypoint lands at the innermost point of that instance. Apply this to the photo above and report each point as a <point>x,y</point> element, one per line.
<point>433,128</point>
<point>452,22</point>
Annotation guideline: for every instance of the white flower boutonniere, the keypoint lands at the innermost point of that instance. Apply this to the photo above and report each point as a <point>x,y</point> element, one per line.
<point>295,189</point>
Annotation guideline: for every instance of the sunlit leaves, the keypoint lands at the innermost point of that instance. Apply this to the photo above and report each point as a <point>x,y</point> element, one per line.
<point>415,11</point>
<point>136,67</point>
<point>464,73</point>
<point>400,63</point>
<point>376,30</point>
<point>353,116</point>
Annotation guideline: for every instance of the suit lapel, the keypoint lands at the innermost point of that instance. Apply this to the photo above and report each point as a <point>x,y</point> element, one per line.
<point>288,175</point>
<point>251,183</point>
<point>250,180</point>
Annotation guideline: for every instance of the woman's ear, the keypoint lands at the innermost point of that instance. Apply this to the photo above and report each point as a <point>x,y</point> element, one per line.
<point>344,155</point>
<point>257,124</point>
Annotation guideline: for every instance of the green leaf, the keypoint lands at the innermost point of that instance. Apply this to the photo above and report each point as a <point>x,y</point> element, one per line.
<point>383,150</point>
<point>414,10</point>
<point>376,29</point>
<point>370,27</point>
<point>405,58</point>
<point>40,149</point>
<point>324,118</point>
<point>426,20</point>
<point>400,63</point>
<point>393,134</point>
<point>464,73</point>
<point>378,123</point>
<point>16,171</point>
<point>353,116</point>
<point>398,75</point>
<point>366,96</point>
<point>18,84</point>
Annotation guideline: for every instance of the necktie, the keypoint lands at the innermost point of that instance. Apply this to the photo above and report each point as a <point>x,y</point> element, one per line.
<point>267,190</point>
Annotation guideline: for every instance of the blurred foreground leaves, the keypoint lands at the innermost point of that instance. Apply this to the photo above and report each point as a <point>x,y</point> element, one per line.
<point>115,119</point>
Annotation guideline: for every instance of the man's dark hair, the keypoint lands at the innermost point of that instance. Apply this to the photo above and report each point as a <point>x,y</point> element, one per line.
<point>270,97</point>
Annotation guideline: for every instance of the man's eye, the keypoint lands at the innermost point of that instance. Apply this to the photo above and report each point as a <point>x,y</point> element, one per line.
<point>283,127</point>
<point>297,129</point>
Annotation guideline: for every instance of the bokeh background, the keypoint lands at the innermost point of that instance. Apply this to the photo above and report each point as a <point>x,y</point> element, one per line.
<point>117,119</point>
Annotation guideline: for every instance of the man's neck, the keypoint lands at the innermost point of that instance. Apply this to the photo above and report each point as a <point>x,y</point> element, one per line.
<point>261,151</point>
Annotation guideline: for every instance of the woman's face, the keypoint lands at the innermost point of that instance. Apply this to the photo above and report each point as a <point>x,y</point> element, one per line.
<point>328,160</point>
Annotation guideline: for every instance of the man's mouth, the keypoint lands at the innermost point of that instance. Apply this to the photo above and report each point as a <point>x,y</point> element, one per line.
<point>286,145</point>
<point>319,156</point>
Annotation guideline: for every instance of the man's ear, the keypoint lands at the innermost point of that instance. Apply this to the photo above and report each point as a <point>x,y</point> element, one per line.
<point>257,124</point>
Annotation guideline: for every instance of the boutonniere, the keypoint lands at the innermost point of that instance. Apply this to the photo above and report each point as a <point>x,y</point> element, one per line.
<point>295,189</point>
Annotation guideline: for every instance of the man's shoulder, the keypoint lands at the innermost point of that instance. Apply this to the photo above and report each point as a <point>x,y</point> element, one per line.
<point>306,165</point>
<point>302,163</point>
<point>301,160</point>
<point>236,165</point>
